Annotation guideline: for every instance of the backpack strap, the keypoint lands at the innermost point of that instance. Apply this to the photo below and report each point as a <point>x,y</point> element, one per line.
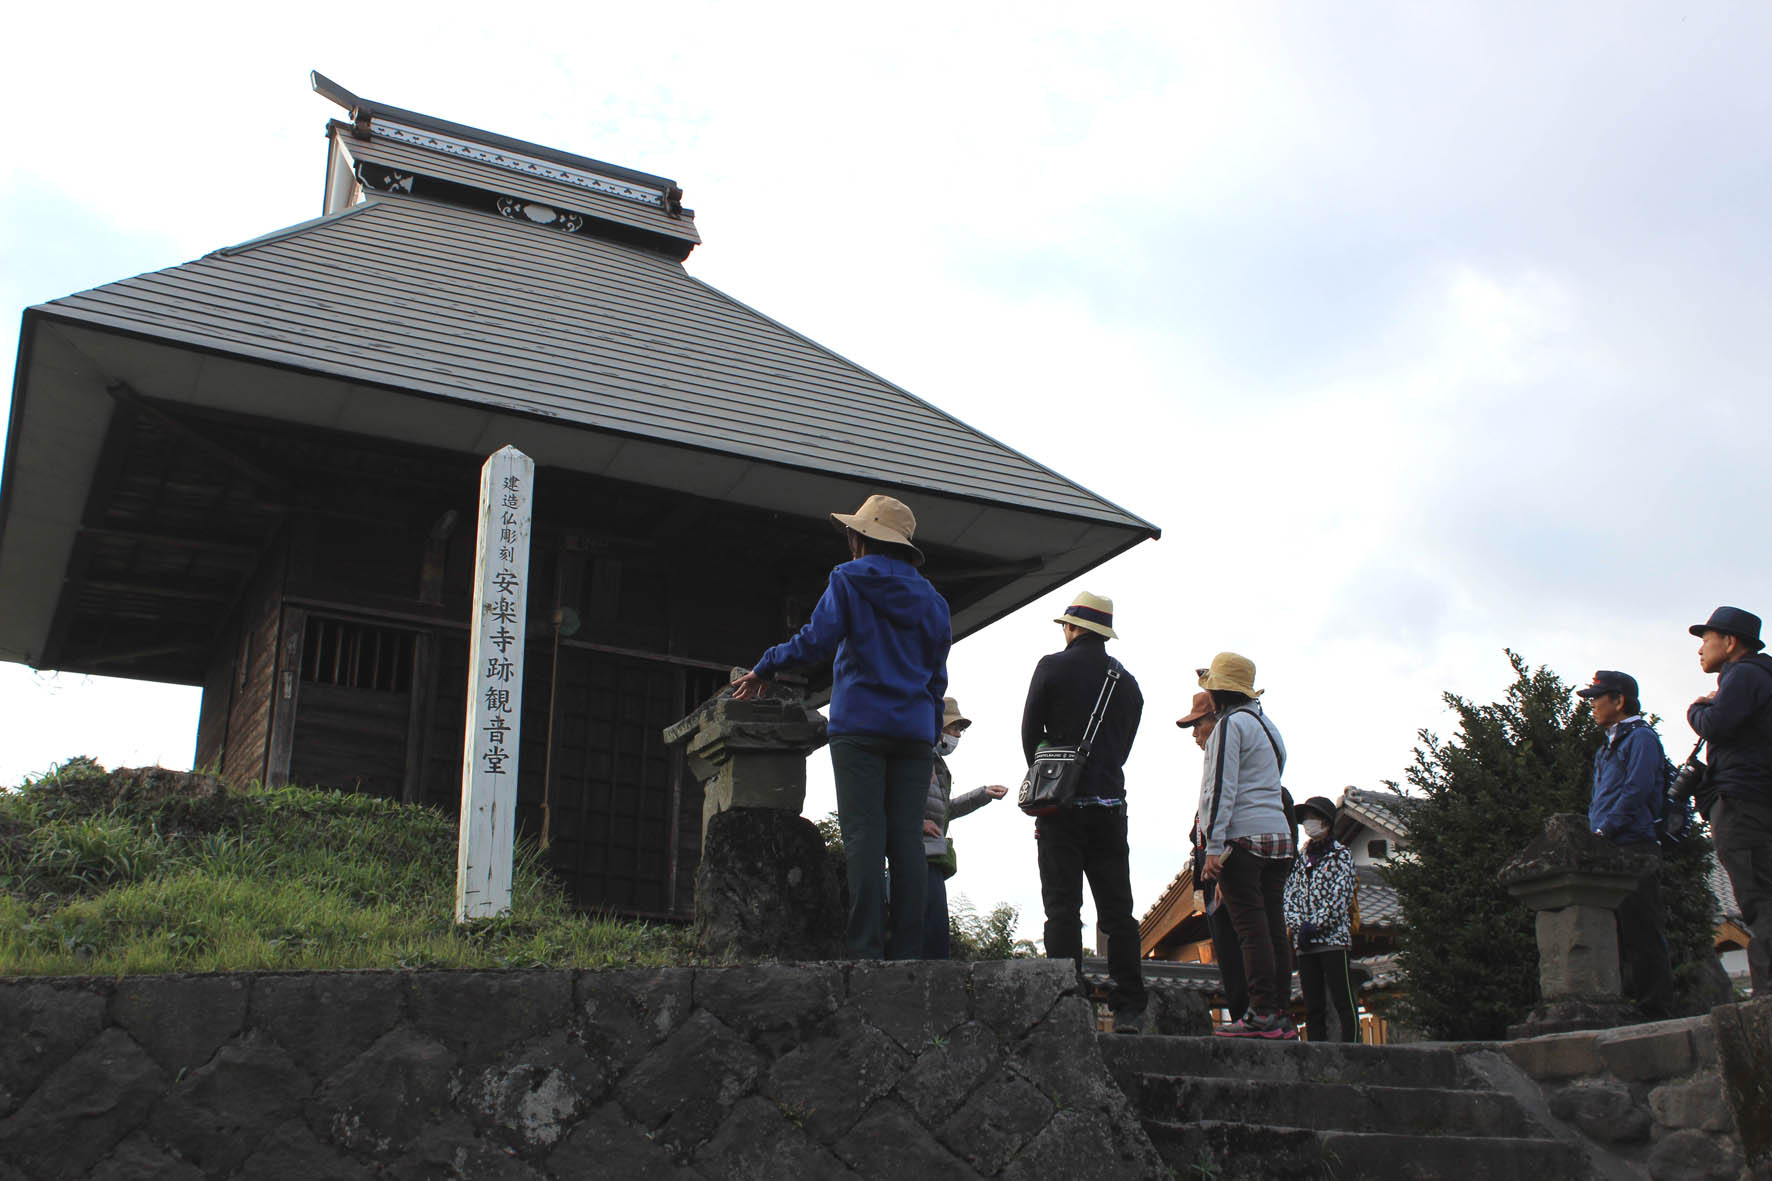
<point>1218,771</point>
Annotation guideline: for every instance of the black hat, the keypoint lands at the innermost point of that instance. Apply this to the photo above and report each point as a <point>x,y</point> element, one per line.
<point>1732,621</point>
<point>1318,804</point>
<point>1609,680</point>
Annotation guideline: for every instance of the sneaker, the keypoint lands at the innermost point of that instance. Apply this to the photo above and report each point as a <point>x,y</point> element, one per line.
<point>1273,1026</point>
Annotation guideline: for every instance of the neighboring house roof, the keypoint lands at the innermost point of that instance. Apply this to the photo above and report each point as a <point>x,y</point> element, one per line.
<point>1378,903</point>
<point>1381,810</point>
<point>1724,891</point>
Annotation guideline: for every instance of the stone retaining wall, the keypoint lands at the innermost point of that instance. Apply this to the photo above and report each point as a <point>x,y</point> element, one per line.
<point>1679,1100</point>
<point>765,1071</point>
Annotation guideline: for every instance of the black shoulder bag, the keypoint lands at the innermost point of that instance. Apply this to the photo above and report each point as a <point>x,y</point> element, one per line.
<point>1054,775</point>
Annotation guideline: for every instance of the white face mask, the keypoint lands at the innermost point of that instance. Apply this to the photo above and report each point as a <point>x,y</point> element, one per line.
<point>947,744</point>
<point>1315,827</point>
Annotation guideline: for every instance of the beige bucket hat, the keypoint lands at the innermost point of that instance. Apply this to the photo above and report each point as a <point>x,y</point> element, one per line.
<point>1230,671</point>
<point>883,519</point>
<point>1092,613</point>
<point>951,715</point>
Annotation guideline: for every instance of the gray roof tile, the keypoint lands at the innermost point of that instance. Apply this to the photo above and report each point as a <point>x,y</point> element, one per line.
<point>462,304</point>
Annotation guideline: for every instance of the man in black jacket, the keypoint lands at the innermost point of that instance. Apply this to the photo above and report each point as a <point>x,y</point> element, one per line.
<point>1088,838</point>
<point>1736,720</point>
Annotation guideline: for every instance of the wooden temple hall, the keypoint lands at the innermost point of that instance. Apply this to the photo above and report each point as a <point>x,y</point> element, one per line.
<point>258,472</point>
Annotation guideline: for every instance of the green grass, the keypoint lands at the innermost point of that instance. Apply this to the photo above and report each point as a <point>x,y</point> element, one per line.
<point>282,879</point>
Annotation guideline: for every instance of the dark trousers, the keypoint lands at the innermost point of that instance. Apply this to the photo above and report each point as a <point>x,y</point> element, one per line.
<point>935,916</point>
<point>881,786</point>
<point>1229,953</point>
<point>1251,888</point>
<point>1742,829</point>
<point>1323,978</point>
<point>1642,940</point>
<point>1090,842</point>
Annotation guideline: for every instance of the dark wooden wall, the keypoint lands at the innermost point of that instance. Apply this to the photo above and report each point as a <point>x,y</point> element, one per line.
<point>668,592</point>
<point>234,724</point>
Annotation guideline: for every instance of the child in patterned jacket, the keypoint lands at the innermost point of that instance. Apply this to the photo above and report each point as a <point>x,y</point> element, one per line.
<point>1318,900</point>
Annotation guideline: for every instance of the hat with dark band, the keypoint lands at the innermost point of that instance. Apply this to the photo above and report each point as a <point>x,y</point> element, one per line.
<point>1092,613</point>
<point>1610,681</point>
<point>1732,621</point>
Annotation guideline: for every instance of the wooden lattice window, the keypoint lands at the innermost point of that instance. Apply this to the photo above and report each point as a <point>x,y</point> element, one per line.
<point>356,655</point>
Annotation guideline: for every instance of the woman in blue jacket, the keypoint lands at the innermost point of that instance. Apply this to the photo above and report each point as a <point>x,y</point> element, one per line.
<point>889,632</point>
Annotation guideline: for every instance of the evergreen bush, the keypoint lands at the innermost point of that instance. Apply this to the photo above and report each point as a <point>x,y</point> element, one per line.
<point>1468,950</point>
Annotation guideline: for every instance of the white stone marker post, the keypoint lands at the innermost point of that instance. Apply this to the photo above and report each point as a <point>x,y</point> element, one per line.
<point>495,688</point>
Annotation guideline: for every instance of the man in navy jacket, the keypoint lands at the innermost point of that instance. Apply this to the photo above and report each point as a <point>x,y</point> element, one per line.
<point>889,632</point>
<point>1736,721</point>
<point>1630,789</point>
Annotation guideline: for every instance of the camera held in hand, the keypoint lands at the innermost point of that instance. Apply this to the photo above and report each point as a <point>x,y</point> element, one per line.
<point>1676,810</point>
<point>1686,781</point>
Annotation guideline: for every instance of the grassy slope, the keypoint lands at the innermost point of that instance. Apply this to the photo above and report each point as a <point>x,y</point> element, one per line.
<point>281,879</point>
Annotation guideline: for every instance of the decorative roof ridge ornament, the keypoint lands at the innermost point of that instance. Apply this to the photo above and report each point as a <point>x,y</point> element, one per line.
<point>370,119</point>
<point>515,163</point>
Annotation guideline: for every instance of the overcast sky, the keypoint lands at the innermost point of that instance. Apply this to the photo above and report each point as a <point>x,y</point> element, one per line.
<point>1423,331</point>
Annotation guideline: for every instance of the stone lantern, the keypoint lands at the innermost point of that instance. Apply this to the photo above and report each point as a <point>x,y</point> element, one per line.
<point>1575,881</point>
<point>765,888</point>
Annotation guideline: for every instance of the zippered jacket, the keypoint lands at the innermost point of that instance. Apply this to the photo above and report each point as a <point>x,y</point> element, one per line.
<point>944,809</point>
<point>1322,895</point>
<point>1737,725</point>
<point>1240,782</point>
<point>1630,784</point>
<point>889,632</point>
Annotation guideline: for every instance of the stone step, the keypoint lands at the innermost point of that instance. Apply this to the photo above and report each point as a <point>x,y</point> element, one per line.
<point>1235,1151</point>
<point>1328,1107</point>
<point>1252,1058</point>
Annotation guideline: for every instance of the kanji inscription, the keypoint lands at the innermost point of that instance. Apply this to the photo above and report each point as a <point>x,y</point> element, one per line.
<point>495,689</point>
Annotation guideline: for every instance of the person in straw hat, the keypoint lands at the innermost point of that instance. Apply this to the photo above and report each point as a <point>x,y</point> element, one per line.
<point>940,810</point>
<point>889,632</point>
<point>1248,840</point>
<point>1087,839</point>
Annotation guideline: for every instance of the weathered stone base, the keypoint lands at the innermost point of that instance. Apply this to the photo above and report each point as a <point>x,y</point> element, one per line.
<point>764,1071</point>
<point>1744,1045</point>
<point>1662,1098</point>
<point>1575,1013</point>
<point>764,889</point>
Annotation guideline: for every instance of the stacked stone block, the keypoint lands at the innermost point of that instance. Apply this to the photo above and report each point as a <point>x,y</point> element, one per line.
<point>777,1071</point>
<point>1652,1095</point>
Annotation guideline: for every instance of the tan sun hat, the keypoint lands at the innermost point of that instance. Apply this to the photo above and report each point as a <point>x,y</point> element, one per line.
<point>951,715</point>
<point>1232,672</point>
<point>1092,613</point>
<point>1201,709</point>
<point>883,519</point>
